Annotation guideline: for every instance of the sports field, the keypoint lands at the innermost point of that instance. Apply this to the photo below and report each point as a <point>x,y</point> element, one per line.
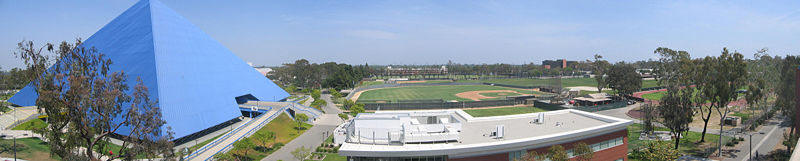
<point>446,93</point>
<point>566,82</point>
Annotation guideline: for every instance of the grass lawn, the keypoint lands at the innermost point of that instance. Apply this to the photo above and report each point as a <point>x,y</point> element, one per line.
<point>284,128</point>
<point>688,144</point>
<point>31,124</point>
<point>431,92</point>
<point>504,111</point>
<point>369,83</point>
<point>649,83</point>
<point>35,149</point>
<point>654,95</point>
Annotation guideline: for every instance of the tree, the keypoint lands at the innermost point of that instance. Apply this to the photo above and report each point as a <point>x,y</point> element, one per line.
<point>356,109</point>
<point>656,151</point>
<point>86,103</point>
<point>301,153</point>
<point>675,70</point>
<point>584,152</point>
<point>300,118</point>
<point>531,156</point>
<point>224,156</point>
<point>726,76</point>
<point>265,139</point>
<point>786,96</point>
<point>316,94</point>
<point>622,77</point>
<point>243,146</point>
<point>599,69</point>
<point>676,112</point>
<point>648,110</point>
<point>557,153</point>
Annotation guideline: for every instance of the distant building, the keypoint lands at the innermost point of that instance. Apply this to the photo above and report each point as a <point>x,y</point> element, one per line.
<point>264,71</point>
<point>439,135</point>
<point>416,71</point>
<point>560,63</point>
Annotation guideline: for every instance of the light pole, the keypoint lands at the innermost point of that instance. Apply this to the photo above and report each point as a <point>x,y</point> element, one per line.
<point>751,143</point>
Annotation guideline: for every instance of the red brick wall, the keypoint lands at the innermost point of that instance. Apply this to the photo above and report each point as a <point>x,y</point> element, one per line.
<point>609,154</point>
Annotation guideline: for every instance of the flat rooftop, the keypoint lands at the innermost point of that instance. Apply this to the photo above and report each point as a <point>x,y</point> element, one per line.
<point>520,127</point>
<point>479,134</point>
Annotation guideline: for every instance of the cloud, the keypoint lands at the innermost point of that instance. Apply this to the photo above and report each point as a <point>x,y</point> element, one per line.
<point>372,34</point>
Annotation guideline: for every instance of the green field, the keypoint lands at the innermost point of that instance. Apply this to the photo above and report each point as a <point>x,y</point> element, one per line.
<point>653,96</point>
<point>431,92</point>
<point>31,124</point>
<point>504,111</point>
<point>32,149</point>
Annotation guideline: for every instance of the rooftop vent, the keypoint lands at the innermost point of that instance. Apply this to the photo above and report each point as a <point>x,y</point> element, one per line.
<point>539,120</point>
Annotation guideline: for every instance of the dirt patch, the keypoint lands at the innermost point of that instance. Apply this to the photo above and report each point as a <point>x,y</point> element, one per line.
<point>502,94</point>
<point>476,95</point>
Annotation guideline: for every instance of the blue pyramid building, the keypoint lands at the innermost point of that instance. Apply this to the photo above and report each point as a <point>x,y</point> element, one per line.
<point>195,79</point>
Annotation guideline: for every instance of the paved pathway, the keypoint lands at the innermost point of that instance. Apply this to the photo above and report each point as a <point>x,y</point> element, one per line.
<point>310,139</point>
<point>764,140</point>
<point>223,142</point>
<point>20,113</point>
<point>314,136</point>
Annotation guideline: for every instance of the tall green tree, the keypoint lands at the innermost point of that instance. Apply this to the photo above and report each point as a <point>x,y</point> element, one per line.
<point>676,112</point>
<point>86,103</point>
<point>674,70</point>
<point>300,119</point>
<point>728,75</point>
<point>599,69</point>
<point>622,77</point>
<point>786,96</point>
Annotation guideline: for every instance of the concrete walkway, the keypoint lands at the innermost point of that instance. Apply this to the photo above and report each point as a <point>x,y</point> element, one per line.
<point>222,143</point>
<point>310,139</point>
<point>764,140</point>
<point>313,137</point>
<point>18,114</point>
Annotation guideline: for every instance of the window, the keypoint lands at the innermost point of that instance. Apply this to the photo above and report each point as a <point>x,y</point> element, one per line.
<point>607,144</point>
<point>512,156</point>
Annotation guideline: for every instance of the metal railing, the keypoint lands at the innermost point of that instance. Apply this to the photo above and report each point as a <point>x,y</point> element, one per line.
<point>215,142</point>
<point>226,148</point>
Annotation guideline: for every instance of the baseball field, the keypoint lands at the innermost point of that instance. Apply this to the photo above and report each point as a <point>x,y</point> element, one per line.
<point>446,93</point>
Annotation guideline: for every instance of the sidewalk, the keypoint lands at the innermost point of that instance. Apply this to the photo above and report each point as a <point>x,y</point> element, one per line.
<point>309,139</point>
<point>764,140</point>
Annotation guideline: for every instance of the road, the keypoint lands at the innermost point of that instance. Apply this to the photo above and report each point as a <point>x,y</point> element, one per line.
<point>764,140</point>
<point>314,136</point>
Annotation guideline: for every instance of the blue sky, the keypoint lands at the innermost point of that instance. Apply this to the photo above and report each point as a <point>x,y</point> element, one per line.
<point>433,32</point>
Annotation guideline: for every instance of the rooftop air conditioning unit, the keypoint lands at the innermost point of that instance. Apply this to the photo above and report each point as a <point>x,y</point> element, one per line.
<point>500,131</point>
<point>540,119</point>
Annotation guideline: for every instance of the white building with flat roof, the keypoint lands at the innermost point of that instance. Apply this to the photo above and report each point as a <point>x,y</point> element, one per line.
<point>456,135</point>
